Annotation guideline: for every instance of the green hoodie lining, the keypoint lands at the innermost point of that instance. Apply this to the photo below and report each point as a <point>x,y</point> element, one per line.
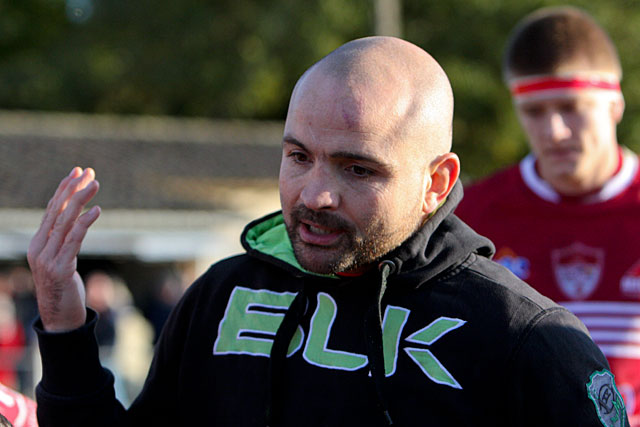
<point>270,237</point>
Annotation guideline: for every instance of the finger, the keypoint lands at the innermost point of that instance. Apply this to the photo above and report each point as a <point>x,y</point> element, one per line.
<point>71,246</point>
<point>75,180</point>
<point>40,237</point>
<point>76,185</point>
<point>75,172</point>
<point>67,218</point>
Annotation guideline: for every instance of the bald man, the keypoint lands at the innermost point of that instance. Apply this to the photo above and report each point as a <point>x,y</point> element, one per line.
<point>364,302</point>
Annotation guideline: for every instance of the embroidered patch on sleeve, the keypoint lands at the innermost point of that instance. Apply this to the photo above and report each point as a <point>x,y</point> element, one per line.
<point>602,390</point>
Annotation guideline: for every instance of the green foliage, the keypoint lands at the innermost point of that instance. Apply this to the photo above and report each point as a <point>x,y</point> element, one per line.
<point>228,58</point>
<point>241,58</point>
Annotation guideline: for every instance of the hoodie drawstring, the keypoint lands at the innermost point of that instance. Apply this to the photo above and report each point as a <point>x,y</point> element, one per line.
<point>287,329</point>
<point>375,348</point>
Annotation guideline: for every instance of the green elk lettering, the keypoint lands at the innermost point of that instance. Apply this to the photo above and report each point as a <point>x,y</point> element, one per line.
<point>253,316</point>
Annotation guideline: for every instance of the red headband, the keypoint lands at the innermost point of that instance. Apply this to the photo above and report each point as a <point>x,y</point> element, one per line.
<point>538,84</point>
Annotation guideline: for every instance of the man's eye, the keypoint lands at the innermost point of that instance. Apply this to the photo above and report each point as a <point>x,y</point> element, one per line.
<point>569,107</point>
<point>533,111</point>
<point>360,171</point>
<point>298,157</point>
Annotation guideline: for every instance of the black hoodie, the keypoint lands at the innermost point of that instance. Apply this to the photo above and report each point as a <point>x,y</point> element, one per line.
<point>438,335</point>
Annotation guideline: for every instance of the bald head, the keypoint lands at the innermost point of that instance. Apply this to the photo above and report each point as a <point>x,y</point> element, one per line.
<point>383,85</point>
<point>365,158</point>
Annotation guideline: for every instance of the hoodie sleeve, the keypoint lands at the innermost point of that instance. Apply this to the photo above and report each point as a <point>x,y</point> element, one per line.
<point>560,377</point>
<point>75,389</point>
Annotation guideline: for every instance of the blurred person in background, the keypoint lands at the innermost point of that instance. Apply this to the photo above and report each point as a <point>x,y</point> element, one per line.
<point>165,295</point>
<point>133,347</point>
<point>100,297</point>
<point>12,342</point>
<point>566,218</point>
<point>123,335</point>
<point>26,307</point>
<point>17,408</point>
<point>24,297</point>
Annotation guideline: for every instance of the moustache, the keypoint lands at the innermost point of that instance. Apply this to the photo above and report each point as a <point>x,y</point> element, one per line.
<point>324,219</point>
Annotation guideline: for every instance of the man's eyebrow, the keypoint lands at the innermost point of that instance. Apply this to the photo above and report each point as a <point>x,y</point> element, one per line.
<point>291,140</point>
<point>339,154</point>
<point>355,156</point>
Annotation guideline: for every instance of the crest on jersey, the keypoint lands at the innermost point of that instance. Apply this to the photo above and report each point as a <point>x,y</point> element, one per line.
<point>630,282</point>
<point>577,269</point>
<point>602,391</point>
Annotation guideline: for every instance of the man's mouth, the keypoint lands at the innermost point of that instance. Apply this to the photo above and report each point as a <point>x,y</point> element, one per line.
<point>315,234</point>
<point>563,149</point>
<point>562,154</point>
<point>318,230</point>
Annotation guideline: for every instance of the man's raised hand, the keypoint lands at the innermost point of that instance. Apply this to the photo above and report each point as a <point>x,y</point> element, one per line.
<point>53,252</point>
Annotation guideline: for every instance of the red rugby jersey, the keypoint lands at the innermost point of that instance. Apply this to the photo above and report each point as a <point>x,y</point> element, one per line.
<point>583,253</point>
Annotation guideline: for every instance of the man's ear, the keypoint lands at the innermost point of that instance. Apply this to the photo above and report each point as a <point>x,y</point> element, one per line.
<point>444,171</point>
<point>617,109</point>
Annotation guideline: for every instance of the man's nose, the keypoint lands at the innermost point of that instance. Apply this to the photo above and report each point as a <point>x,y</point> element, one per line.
<point>557,127</point>
<point>321,190</point>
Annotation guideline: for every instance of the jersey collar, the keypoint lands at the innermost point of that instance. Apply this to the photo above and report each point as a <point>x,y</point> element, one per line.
<point>612,188</point>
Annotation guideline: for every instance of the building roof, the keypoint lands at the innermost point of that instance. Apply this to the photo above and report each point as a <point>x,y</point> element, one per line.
<point>148,163</point>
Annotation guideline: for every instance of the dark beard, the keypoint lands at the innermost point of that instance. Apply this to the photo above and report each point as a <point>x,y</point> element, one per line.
<point>351,252</point>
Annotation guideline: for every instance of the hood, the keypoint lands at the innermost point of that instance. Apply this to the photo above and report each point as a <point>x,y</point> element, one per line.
<point>444,241</point>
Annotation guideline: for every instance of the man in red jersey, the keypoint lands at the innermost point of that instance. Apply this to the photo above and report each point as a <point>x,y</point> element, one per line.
<point>565,219</point>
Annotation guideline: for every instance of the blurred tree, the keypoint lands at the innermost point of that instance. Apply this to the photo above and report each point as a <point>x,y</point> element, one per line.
<point>241,58</point>
<point>228,58</point>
